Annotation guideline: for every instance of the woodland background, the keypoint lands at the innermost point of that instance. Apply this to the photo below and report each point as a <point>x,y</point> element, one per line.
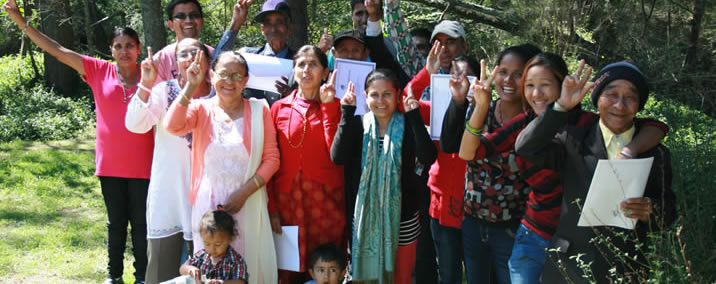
<point>672,41</point>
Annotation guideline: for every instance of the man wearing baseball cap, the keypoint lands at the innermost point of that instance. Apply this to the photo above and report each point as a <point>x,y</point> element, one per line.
<point>275,19</point>
<point>452,36</point>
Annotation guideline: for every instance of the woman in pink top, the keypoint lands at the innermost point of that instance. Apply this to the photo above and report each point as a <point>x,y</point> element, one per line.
<point>123,158</point>
<point>234,154</point>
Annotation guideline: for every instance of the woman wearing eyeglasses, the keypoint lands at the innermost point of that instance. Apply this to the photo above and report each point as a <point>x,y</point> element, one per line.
<point>234,154</point>
<point>167,226</point>
<point>123,158</point>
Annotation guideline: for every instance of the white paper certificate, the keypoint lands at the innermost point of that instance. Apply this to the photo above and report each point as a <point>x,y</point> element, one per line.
<point>356,72</point>
<point>286,244</point>
<point>264,71</point>
<point>613,182</point>
<point>439,101</point>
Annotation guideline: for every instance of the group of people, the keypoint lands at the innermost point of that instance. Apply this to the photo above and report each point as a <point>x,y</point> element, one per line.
<point>197,162</point>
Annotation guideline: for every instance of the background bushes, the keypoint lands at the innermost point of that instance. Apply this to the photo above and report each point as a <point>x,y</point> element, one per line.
<point>30,111</point>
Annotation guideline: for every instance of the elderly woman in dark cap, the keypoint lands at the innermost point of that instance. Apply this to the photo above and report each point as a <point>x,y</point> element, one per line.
<point>620,91</point>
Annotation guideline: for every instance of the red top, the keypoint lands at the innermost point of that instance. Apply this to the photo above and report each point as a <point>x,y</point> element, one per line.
<point>447,174</point>
<point>306,149</point>
<point>119,152</point>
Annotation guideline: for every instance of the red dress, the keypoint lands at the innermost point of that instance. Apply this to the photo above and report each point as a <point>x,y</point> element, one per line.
<point>308,189</point>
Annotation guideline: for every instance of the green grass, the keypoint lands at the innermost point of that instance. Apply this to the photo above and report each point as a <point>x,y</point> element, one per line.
<point>52,214</point>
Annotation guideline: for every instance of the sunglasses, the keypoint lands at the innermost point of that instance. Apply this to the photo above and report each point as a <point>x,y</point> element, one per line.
<point>236,77</point>
<point>191,16</point>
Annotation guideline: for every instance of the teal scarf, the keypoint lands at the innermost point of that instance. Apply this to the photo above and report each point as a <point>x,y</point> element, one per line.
<point>377,211</point>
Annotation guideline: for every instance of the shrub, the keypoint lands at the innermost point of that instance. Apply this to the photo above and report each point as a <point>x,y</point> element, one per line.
<point>37,113</point>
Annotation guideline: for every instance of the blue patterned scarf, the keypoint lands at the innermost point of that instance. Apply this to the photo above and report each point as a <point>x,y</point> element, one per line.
<point>377,211</point>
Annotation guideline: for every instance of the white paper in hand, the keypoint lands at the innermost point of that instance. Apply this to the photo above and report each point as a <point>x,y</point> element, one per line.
<point>613,182</point>
<point>264,71</point>
<point>440,101</point>
<point>356,72</point>
<point>287,254</point>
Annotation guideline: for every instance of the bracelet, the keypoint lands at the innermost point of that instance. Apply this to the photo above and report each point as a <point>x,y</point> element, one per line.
<point>256,181</point>
<point>473,131</point>
<point>142,87</point>
<point>626,154</point>
<point>185,100</point>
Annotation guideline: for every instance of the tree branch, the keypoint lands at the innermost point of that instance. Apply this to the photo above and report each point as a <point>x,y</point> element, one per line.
<point>497,18</point>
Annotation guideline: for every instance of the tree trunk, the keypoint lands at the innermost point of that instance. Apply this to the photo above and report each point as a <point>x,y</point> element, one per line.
<point>88,28</point>
<point>299,19</point>
<point>693,50</point>
<point>56,24</point>
<point>155,34</point>
<point>25,43</point>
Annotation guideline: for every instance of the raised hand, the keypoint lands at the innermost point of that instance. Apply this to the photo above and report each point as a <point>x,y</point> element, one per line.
<point>328,90</point>
<point>349,98</point>
<point>481,90</point>
<point>149,69</point>
<point>575,87</point>
<point>432,64</point>
<point>14,12</point>
<point>459,85</point>
<point>326,41</point>
<point>240,12</point>
<point>374,10</point>
<point>195,73</point>
<point>409,101</point>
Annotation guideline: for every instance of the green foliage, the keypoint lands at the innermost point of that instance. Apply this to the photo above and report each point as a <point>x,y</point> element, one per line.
<point>35,113</point>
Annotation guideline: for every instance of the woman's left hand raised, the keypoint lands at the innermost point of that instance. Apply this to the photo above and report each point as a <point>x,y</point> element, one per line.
<point>409,102</point>
<point>195,73</point>
<point>328,90</point>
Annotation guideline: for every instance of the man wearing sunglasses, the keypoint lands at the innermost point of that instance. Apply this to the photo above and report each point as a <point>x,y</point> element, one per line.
<point>185,19</point>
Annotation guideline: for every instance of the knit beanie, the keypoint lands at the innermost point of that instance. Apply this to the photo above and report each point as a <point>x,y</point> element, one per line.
<point>622,70</point>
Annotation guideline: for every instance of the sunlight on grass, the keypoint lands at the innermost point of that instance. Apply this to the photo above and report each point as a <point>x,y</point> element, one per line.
<point>52,214</point>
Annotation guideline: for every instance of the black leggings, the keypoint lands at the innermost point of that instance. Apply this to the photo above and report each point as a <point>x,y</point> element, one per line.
<point>126,201</point>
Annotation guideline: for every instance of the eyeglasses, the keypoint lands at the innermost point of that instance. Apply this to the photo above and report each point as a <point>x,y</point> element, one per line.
<point>191,16</point>
<point>187,54</point>
<point>236,77</point>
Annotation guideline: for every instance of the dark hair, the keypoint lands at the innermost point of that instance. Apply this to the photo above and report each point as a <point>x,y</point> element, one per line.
<point>217,221</point>
<point>124,31</point>
<point>322,58</point>
<point>524,51</point>
<point>382,74</point>
<point>353,4</point>
<point>553,62</point>
<point>200,45</point>
<point>174,3</point>
<point>327,253</point>
<point>471,61</point>
<point>421,32</point>
<point>234,54</point>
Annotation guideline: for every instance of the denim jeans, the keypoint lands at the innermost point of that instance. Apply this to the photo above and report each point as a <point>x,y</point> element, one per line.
<point>448,247</point>
<point>528,255</point>
<point>126,202</point>
<point>484,246</point>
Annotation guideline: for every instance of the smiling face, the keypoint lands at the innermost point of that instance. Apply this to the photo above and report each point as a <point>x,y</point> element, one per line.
<point>327,272</point>
<point>229,77</point>
<point>541,88</point>
<point>308,71</point>
<point>125,50</point>
<point>453,47</point>
<point>352,49</point>
<point>186,53</point>
<point>216,244</point>
<point>618,105</point>
<point>186,21</point>
<point>381,97</point>
<point>359,17</point>
<point>276,28</point>
<point>509,75</point>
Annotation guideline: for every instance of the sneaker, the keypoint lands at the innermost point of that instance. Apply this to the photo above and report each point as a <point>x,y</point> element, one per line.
<point>117,280</point>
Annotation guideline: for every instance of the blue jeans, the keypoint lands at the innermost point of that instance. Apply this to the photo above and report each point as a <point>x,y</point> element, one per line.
<point>448,247</point>
<point>528,255</point>
<point>484,246</point>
